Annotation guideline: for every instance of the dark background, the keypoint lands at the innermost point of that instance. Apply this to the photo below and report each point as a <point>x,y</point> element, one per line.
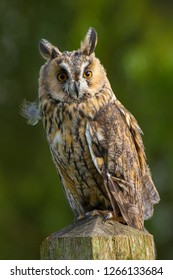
<point>136,47</point>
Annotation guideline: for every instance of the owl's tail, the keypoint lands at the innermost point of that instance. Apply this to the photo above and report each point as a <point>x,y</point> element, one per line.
<point>129,211</point>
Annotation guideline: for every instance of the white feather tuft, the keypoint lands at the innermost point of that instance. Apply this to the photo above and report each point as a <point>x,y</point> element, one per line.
<point>31,111</point>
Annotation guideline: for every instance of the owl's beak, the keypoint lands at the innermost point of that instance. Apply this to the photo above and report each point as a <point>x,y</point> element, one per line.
<point>76,88</point>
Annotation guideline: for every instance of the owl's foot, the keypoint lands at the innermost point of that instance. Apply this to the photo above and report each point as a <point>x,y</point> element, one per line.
<point>106,214</point>
<point>111,216</point>
<point>94,213</point>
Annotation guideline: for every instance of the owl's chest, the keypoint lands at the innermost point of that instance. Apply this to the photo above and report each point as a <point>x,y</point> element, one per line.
<point>68,140</point>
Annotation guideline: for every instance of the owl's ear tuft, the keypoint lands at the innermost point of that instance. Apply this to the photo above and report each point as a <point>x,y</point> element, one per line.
<point>47,50</point>
<point>90,41</point>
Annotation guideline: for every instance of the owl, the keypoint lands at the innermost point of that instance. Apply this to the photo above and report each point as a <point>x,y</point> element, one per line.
<point>94,140</point>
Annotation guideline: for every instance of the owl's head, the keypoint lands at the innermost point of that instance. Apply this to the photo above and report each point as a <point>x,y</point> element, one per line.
<point>75,75</point>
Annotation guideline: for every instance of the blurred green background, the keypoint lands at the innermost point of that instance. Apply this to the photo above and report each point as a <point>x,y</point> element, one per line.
<point>136,47</point>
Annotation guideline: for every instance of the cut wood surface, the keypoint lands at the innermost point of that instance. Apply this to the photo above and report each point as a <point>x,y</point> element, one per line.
<point>94,239</point>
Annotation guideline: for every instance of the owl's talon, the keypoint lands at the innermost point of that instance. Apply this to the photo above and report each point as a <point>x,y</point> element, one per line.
<point>112,216</point>
<point>93,213</point>
<point>108,216</point>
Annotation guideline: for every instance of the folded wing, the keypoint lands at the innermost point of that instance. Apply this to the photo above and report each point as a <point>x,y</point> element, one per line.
<point>117,151</point>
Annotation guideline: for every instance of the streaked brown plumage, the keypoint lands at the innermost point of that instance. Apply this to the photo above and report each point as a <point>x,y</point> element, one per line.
<point>95,142</point>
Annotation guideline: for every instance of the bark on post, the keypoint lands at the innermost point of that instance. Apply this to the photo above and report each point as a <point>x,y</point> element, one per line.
<point>94,239</point>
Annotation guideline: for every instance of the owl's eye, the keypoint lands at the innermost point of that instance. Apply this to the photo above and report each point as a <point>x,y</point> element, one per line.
<point>87,74</point>
<point>62,77</point>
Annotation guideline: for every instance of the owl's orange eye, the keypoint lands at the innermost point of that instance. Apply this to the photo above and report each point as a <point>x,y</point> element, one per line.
<point>87,74</point>
<point>62,77</point>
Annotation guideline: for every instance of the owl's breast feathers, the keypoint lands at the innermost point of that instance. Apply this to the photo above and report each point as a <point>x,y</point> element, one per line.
<point>98,150</point>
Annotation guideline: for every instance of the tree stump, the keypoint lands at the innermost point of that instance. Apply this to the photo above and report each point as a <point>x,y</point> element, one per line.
<point>94,239</point>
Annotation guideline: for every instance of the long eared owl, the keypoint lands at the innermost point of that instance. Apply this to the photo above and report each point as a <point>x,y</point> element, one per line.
<point>94,140</point>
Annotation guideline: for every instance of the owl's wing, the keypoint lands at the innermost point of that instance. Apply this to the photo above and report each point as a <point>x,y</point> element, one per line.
<point>149,191</point>
<point>117,151</point>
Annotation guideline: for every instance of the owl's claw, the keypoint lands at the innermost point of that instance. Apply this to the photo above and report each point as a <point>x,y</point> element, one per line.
<point>111,216</point>
<point>108,216</point>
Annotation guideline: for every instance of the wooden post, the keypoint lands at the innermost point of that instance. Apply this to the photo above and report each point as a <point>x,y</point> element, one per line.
<point>94,239</point>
